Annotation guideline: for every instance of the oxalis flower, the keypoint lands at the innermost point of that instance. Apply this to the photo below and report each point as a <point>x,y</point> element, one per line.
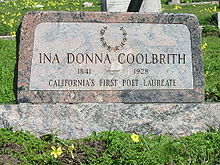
<point>135,138</point>
<point>71,148</point>
<point>56,152</point>
<point>204,46</point>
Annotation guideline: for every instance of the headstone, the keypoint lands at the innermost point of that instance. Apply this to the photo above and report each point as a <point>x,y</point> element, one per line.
<point>122,5</point>
<point>69,57</point>
<point>218,19</point>
<point>134,6</point>
<point>151,6</point>
<point>174,2</point>
<point>101,61</point>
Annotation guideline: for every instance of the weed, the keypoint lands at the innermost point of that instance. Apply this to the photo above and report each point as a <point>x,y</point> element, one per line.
<point>113,147</point>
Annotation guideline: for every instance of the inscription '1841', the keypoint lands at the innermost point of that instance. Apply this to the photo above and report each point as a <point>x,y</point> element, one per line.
<point>111,56</point>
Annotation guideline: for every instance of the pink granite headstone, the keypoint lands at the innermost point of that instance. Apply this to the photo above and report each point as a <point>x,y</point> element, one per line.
<point>69,57</point>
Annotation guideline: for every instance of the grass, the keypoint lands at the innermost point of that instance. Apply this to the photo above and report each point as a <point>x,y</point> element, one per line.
<point>205,12</point>
<point>111,148</point>
<point>185,1</point>
<point>12,11</point>
<point>7,67</point>
<point>211,60</point>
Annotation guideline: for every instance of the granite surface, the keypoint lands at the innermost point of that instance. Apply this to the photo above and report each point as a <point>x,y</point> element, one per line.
<point>135,65</point>
<point>218,19</point>
<point>31,20</point>
<point>174,2</point>
<point>80,120</point>
<point>122,5</point>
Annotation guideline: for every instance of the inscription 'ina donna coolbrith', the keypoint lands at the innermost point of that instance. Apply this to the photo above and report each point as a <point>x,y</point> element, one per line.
<point>109,57</point>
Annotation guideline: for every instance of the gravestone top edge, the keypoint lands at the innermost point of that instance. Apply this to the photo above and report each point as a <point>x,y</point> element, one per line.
<point>32,19</point>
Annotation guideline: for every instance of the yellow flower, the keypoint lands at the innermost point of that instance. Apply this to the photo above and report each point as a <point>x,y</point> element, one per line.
<point>13,34</point>
<point>177,7</point>
<point>215,8</point>
<point>19,14</point>
<point>135,138</point>
<point>56,152</point>
<point>204,46</point>
<point>71,147</point>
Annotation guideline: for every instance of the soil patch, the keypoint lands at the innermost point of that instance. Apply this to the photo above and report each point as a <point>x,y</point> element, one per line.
<point>8,160</point>
<point>79,153</point>
<point>12,147</point>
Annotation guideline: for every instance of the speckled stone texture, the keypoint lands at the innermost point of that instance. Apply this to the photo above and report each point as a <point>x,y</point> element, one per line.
<point>32,19</point>
<point>174,2</point>
<point>218,19</point>
<point>122,5</point>
<point>80,120</point>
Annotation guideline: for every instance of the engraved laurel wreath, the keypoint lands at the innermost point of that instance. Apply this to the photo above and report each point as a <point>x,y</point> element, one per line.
<point>110,47</point>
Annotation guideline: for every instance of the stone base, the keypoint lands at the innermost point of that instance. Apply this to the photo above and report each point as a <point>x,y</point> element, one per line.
<point>80,120</point>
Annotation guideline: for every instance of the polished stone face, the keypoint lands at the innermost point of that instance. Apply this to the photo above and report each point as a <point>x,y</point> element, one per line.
<point>122,5</point>
<point>109,57</point>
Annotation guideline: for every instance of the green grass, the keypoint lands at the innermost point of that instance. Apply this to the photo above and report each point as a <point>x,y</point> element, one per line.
<point>205,13</point>
<point>211,58</point>
<point>185,1</point>
<point>12,11</point>
<point>112,148</point>
<point>7,67</point>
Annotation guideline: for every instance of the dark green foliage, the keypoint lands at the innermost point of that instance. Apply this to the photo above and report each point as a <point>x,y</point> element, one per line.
<point>113,148</point>
<point>164,2</point>
<point>209,30</point>
<point>209,20</point>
